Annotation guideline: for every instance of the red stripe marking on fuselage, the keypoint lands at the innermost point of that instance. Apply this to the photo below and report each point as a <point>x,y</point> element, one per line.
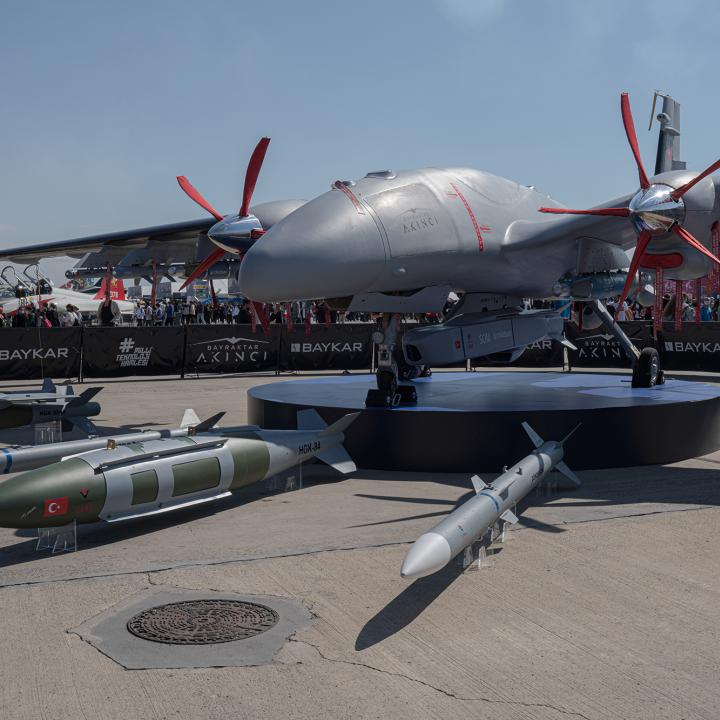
<point>340,186</point>
<point>481,243</point>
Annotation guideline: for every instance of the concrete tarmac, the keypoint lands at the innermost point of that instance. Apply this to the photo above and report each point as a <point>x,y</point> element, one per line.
<point>604,603</point>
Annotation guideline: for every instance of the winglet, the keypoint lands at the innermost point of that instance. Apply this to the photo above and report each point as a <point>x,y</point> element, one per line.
<point>341,425</point>
<point>478,484</point>
<point>537,441</point>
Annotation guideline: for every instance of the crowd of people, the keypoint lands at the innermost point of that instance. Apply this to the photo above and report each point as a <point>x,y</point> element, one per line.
<point>193,311</point>
<point>46,316</point>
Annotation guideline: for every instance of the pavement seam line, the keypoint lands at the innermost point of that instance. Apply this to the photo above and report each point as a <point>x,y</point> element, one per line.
<point>447,693</point>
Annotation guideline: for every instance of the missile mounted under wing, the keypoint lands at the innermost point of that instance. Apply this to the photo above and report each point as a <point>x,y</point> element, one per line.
<point>146,478</point>
<point>491,503</point>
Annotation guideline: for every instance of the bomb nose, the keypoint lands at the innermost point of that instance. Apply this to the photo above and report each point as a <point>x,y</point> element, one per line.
<point>430,553</point>
<point>329,247</point>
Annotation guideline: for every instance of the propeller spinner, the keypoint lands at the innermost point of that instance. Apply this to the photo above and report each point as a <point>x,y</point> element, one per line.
<point>231,233</point>
<point>655,209</point>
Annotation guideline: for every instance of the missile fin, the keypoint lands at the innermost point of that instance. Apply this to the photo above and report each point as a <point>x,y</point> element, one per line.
<point>84,397</point>
<point>567,437</point>
<point>537,441</point>
<point>310,420</point>
<point>341,425</point>
<point>568,473</point>
<point>478,484</point>
<point>190,417</point>
<point>337,457</point>
<point>509,517</point>
<point>209,423</point>
<point>48,386</point>
<point>84,424</point>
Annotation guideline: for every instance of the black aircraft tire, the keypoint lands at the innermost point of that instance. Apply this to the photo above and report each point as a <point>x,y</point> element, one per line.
<point>647,372</point>
<point>387,382</point>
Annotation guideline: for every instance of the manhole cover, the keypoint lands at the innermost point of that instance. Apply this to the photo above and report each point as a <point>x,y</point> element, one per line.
<point>202,622</point>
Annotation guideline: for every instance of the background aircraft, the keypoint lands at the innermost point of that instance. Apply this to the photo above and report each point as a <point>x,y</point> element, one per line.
<point>182,249</point>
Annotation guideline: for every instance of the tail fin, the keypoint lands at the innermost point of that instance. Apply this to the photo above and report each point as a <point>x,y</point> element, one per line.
<point>190,417</point>
<point>336,456</point>
<point>567,437</point>
<point>114,286</point>
<point>310,420</point>
<point>48,386</point>
<point>537,441</point>
<point>568,473</point>
<point>208,423</point>
<point>84,397</point>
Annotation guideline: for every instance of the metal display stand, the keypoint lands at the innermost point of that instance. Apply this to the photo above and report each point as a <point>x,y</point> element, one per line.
<point>48,432</point>
<point>58,539</point>
<point>286,481</point>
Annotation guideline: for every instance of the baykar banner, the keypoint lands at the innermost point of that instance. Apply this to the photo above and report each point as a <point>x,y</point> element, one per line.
<point>231,349</point>
<point>598,348</point>
<point>693,348</point>
<point>29,353</point>
<point>338,347</point>
<point>116,351</point>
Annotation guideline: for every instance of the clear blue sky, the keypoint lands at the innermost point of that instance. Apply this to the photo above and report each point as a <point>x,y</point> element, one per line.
<point>104,103</point>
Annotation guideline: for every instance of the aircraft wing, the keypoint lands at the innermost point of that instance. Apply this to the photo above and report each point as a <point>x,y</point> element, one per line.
<point>560,229</point>
<point>115,243</point>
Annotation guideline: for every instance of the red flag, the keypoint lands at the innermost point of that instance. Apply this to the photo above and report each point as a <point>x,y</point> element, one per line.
<point>55,507</point>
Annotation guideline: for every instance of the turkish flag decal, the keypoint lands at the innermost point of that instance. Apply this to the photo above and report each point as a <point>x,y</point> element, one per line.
<point>56,506</point>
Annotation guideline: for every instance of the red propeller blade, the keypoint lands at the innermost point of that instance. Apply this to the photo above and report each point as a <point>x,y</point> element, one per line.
<point>256,233</point>
<point>677,194</point>
<point>204,266</point>
<point>643,241</point>
<point>193,194</point>
<point>251,176</point>
<point>616,212</point>
<point>627,119</point>
<point>681,232</point>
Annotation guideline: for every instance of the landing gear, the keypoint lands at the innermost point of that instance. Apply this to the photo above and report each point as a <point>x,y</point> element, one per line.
<point>646,371</point>
<point>389,393</point>
<point>646,364</point>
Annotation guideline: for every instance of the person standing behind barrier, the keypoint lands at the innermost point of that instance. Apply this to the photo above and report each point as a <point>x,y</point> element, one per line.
<point>169,313</point>
<point>108,312</point>
<point>193,311</point>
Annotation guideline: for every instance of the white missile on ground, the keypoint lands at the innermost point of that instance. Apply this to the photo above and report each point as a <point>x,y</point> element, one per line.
<point>30,457</point>
<point>492,503</point>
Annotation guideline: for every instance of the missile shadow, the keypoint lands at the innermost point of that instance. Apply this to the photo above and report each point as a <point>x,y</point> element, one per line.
<point>407,606</point>
<point>95,535</point>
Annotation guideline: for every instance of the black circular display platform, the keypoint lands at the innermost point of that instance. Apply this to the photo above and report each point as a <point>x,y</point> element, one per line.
<point>468,422</point>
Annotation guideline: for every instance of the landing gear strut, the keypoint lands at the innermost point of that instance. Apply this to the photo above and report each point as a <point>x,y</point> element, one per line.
<point>389,392</point>
<point>646,364</point>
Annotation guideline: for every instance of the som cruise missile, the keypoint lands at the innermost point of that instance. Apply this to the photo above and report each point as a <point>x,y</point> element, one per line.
<point>146,478</point>
<point>468,523</point>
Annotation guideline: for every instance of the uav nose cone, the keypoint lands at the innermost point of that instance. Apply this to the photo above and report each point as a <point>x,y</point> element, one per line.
<point>329,247</point>
<point>429,553</point>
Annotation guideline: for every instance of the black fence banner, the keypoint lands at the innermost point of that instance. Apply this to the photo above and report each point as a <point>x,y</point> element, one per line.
<point>231,349</point>
<point>693,348</point>
<point>119,351</point>
<point>30,353</point>
<point>599,348</point>
<point>347,346</point>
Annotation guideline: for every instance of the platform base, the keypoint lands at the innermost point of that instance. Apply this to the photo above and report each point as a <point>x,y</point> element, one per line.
<point>470,422</point>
